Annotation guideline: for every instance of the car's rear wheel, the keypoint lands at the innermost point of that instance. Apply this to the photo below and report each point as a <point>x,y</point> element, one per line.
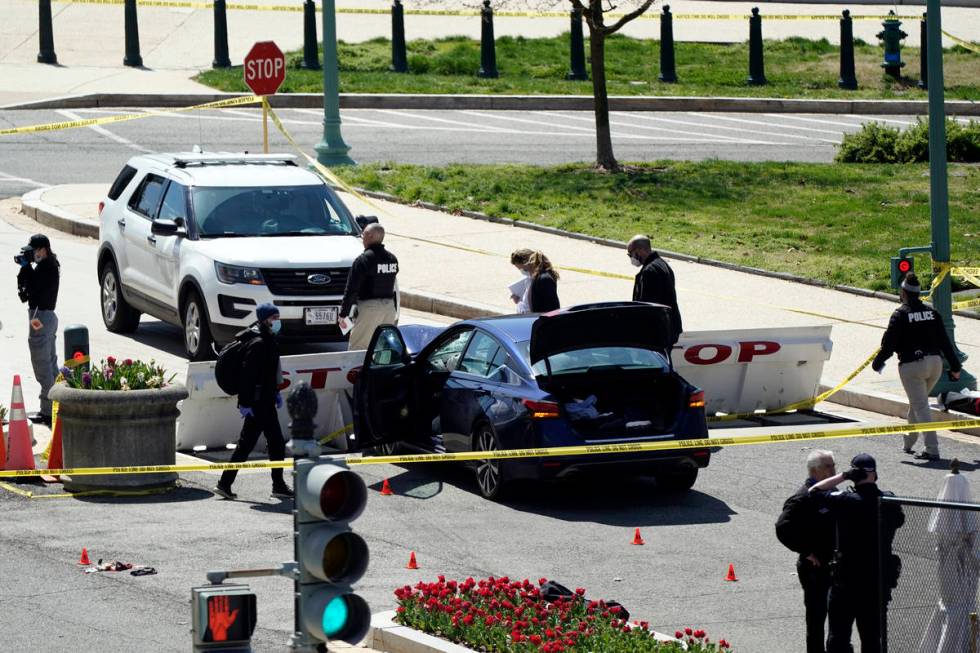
<point>117,314</point>
<point>678,479</point>
<point>489,473</point>
<point>197,329</point>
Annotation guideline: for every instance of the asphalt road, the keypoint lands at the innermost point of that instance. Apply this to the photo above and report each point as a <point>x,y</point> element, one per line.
<point>422,137</point>
<point>577,533</point>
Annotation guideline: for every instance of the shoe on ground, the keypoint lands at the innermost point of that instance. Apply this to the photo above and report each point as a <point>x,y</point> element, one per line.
<point>284,492</point>
<point>909,450</point>
<point>925,455</point>
<point>39,418</point>
<point>224,492</point>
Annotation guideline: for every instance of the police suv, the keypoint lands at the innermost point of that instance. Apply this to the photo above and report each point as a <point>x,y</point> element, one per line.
<point>200,239</point>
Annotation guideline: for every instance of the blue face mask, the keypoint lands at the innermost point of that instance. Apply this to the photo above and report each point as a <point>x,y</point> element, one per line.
<point>275,326</point>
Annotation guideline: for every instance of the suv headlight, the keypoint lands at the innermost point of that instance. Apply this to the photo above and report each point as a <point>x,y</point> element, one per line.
<point>235,274</point>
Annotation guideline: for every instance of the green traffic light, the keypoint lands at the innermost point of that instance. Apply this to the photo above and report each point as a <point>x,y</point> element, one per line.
<point>335,616</point>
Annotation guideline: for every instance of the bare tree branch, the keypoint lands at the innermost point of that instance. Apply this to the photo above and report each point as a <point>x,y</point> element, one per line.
<point>628,17</point>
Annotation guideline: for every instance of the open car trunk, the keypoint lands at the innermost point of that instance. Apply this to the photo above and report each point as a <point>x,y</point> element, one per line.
<point>616,403</point>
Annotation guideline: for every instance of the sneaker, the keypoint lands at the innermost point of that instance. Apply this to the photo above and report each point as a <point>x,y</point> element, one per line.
<point>283,492</point>
<point>908,450</point>
<point>224,493</point>
<point>925,455</point>
<point>39,418</point>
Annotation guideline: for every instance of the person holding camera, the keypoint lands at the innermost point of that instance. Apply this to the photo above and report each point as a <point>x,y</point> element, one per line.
<point>37,284</point>
<point>916,333</point>
<point>864,570</point>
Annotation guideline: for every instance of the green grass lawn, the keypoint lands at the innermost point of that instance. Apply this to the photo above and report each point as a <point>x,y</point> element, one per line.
<point>836,223</point>
<point>795,68</point>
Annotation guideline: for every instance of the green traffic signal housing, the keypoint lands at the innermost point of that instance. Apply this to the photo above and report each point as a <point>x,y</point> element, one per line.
<point>901,266</point>
<point>331,556</point>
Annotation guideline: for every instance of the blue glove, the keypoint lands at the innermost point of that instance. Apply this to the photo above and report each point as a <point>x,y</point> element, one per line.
<point>24,263</point>
<point>245,412</point>
<point>278,400</point>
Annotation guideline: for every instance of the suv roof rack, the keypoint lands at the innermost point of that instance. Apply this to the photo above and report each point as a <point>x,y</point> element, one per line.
<point>184,160</point>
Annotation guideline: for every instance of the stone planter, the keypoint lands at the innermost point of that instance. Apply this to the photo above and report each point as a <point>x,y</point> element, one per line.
<point>113,428</point>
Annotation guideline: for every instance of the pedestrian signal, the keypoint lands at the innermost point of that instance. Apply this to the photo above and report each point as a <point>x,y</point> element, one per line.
<point>901,266</point>
<point>223,619</point>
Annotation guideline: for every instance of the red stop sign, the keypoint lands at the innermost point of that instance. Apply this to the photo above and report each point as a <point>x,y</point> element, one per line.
<point>264,68</point>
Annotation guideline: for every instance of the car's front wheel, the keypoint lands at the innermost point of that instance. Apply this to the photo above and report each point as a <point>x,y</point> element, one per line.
<point>489,473</point>
<point>117,314</point>
<point>197,329</point>
<point>678,479</point>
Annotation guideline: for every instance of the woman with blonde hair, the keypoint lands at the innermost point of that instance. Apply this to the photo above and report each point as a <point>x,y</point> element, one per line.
<point>541,293</point>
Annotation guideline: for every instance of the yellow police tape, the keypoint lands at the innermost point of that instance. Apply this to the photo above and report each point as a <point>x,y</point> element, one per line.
<point>973,47</point>
<point>75,124</point>
<point>507,454</point>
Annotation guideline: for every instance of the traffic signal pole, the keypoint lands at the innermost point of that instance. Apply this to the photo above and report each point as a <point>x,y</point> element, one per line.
<point>939,190</point>
<point>331,150</point>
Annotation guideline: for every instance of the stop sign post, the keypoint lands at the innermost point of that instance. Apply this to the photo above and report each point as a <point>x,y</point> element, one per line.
<point>264,69</point>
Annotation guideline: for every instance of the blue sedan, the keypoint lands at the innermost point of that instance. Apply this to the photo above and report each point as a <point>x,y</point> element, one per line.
<point>591,374</point>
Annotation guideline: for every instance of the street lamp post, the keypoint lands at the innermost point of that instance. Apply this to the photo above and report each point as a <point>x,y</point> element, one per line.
<point>939,188</point>
<point>331,150</point>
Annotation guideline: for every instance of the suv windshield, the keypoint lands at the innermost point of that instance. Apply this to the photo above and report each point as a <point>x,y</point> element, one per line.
<point>270,211</point>
<point>582,360</point>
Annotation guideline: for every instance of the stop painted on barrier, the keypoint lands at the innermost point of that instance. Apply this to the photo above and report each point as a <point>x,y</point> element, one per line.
<point>712,354</point>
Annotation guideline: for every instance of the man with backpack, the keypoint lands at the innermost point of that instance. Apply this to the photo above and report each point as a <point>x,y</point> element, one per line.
<point>809,529</point>
<point>259,377</point>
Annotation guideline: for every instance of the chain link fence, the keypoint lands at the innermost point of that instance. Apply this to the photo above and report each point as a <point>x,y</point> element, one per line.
<point>934,605</point>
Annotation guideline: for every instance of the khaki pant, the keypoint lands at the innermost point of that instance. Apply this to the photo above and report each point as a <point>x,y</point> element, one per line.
<point>371,313</point>
<point>918,378</point>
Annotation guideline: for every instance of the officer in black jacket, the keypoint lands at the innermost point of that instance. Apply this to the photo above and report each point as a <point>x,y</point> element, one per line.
<point>371,285</point>
<point>916,333</point>
<point>809,529</point>
<point>38,286</point>
<point>860,592</point>
<point>259,400</point>
<point>655,281</point>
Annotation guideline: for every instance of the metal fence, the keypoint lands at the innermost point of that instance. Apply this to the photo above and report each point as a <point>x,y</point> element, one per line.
<point>934,606</point>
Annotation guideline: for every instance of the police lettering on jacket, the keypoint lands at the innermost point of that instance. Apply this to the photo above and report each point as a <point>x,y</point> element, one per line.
<point>372,276</point>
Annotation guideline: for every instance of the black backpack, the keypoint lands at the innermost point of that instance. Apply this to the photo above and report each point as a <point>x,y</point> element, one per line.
<point>228,367</point>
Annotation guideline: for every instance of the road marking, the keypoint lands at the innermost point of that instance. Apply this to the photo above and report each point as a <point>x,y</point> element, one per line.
<point>4,177</point>
<point>663,129</point>
<point>816,120</point>
<point>769,124</point>
<point>865,120</point>
<point>590,132</point>
<point>98,129</point>
<point>413,116</point>
<point>722,127</point>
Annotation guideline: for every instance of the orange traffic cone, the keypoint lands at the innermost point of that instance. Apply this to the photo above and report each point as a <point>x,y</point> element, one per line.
<point>386,489</point>
<point>84,559</point>
<point>731,573</point>
<point>55,458</point>
<point>20,454</point>
<point>412,563</point>
<point>637,539</point>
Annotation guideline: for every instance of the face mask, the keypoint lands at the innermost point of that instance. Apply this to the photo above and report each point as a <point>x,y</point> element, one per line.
<point>635,261</point>
<point>275,326</point>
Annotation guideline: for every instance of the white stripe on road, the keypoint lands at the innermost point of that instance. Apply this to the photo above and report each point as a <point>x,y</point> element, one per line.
<point>819,121</point>
<point>590,132</point>
<point>102,131</point>
<point>670,130</point>
<point>417,116</point>
<point>4,177</point>
<point>720,127</point>
<point>769,124</point>
<point>864,120</point>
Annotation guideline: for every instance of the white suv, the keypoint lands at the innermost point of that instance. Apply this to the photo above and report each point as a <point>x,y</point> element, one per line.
<point>199,240</point>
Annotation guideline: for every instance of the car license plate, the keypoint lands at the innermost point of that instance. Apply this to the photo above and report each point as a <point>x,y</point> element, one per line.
<point>321,315</point>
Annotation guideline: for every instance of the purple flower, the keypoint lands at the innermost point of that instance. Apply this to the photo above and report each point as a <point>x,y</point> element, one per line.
<point>65,372</point>
<point>87,380</point>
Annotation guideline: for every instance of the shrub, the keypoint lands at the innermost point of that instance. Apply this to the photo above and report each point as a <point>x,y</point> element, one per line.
<point>876,143</point>
<point>113,374</point>
<point>498,615</point>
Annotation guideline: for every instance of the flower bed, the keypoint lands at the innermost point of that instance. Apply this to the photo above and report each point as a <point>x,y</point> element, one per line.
<point>499,615</point>
<point>114,374</point>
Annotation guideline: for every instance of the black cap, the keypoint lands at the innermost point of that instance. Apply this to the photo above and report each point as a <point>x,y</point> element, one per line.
<point>38,241</point>
<point>864,461</point>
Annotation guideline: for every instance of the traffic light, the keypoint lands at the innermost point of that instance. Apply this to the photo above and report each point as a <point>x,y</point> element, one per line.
<point>901,266</point>
<point>223,618</point>
<point>330,555</point>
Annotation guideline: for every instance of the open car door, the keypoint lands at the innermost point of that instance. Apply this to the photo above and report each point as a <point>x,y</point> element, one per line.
<point>385,397</point>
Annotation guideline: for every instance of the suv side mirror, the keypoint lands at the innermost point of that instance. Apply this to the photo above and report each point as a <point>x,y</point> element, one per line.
<point>364,220</point>
<point>173,227</point>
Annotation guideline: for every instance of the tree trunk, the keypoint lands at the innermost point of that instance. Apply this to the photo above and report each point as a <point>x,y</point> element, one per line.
<point>597,52</point>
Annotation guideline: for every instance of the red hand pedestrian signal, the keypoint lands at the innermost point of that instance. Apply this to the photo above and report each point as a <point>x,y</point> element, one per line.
<point>220,617</point>
<point>905,266</point>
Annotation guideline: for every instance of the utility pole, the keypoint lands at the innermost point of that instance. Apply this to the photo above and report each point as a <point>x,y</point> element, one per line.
<point>331,150</point>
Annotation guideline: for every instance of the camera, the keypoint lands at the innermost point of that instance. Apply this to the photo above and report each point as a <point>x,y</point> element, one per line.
<point>26,255</point>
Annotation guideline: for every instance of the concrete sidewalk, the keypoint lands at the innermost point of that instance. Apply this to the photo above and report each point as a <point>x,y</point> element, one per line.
<point>437,260</point>
<point>176,42</point>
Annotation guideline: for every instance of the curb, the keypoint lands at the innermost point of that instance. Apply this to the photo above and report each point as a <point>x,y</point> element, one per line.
<point>390,637</point>
<point>514,103</point>
<point>49,215</point>
<point>886,404</point>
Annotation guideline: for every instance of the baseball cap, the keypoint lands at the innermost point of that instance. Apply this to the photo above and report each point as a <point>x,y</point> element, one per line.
<point>39,240</point>
<point>864,461</point>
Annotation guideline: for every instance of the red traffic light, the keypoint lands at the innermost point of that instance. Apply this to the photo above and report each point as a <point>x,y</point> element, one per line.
<point>905,266</point>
